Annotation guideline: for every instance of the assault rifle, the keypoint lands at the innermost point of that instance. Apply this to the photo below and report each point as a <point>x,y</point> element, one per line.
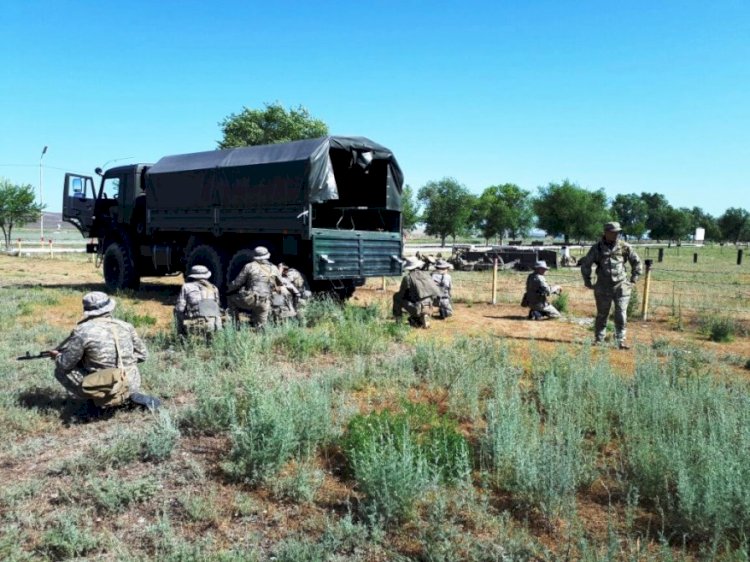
<point>29,356</point>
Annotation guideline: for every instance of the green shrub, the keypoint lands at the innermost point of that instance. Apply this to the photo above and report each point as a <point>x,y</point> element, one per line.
<point>718,328</point>
<point>114,493</point>
<point>127,314</point>
<point>69,538</point>
<point>561,302</point>
<point>160,440</point>
<point>299,484</point>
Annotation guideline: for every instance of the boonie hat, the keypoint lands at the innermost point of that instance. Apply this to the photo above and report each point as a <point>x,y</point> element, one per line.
<point>412,263</point>
<point>540,264</point>
<point>261,253</point>
<point>97,303</point>
<point>199,272</point>
<point>442,264</point>
<point>612,227</point>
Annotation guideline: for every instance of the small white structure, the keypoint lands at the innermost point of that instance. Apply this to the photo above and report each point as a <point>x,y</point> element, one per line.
<point>700,235</point>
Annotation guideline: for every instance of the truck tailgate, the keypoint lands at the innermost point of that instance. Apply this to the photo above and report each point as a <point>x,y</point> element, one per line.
<point>350,254</point>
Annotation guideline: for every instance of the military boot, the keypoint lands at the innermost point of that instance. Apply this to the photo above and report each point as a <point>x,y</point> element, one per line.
<point>146,401</point>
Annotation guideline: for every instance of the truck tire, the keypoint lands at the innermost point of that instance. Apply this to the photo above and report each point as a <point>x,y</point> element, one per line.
<point>238,261</point>
<point>119,268</point>
<point>213,259</point>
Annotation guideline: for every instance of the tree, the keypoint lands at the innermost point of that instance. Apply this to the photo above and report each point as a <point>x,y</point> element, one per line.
<point>735,224</point>
<point>409,209</point>
<point>447,208</point>
<point>17,207</point>
<point>658,208</point>
<point>565,209</point>
<point>703,220</point>
<point>504,208</point>
<point>632,212</point>
<point>271,125</point>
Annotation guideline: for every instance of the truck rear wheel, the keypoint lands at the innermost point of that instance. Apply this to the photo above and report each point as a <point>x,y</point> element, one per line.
<point>238,261</point>
<point>211,258</point>
<point>119,269</point>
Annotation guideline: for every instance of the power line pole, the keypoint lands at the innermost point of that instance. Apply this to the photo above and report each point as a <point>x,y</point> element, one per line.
<point>41,202</point>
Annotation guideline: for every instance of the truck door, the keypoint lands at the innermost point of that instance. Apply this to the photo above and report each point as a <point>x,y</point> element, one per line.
<point>78,202</point>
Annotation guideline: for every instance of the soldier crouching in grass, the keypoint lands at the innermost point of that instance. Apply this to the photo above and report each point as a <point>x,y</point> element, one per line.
<point>537,293</point>
<point>197,310</point>
<point>610,255</point>
<point>99,359</point>
<point>416,294</point>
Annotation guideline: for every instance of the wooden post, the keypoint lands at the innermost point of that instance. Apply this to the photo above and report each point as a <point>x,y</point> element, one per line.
<point>661,255</point>
<point>383,287</point>
<point>18,245</point>
<point>51,255</point>
<point>695,257</point>
<point>494,280</point>
<point>646,289</point>
<point>739,257</point>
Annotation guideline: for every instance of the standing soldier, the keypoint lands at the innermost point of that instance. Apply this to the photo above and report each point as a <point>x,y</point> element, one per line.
<point>537,292</point>
<point>102,345</point>
<point>251,290</point>
<point>443,280</point>
<point>610,255</point>
<point>415,295</point>
<point>197,310</point>
<point>301,293</point>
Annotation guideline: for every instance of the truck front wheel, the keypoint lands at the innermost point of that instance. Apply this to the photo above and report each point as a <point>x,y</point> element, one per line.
<point>119,270</point>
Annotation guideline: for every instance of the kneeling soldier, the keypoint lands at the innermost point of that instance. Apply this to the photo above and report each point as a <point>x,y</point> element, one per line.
<point>442,279</point>
<point>197,310</point>
<point>252,289</point>
<point>415,295</point>
<point>101,345</point>
<point>537,292</point>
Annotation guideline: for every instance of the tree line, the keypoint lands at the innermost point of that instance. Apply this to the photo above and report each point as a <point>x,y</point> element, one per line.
<point>447,209</point>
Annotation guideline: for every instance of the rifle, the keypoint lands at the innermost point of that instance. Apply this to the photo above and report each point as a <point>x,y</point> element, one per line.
<point>29,356</point>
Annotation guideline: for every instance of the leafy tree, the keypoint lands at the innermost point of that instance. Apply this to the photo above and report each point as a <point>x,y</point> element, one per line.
<point>658,207</point>
<point>17,206</point>
<point>735,224</point>
<point>271,125</point>
<point>631,211</point>
<point>409,209</point>
<point>708,222</point>
<point>503,208</point>
<point>571,211</point>
<point>447,208</point>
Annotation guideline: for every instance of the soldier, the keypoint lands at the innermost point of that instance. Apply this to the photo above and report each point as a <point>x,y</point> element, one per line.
<point>298,287</point>
<point>537,292</point>
<point>443,280</point>
<point>101,342</point>
<point>416,294</point>
<point>252,289</point>
<point>610,255</point>
<point>197,310</point>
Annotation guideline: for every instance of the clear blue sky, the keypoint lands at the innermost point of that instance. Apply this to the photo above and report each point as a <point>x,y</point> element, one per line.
<point>628,96</point>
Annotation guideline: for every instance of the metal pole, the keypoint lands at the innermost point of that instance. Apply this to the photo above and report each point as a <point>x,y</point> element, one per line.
<point>646,289</point>
<point>494,281</point>
<point>41,201</point>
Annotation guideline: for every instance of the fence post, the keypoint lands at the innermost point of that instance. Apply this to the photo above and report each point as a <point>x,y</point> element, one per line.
<point>739,257</point>
<point>18,244</point>
<point>695,257</point>
<point>51,255</point>
<point>661,255</point>
<point>494,281</point>
<point>646,289</point>
<point>383,288</point>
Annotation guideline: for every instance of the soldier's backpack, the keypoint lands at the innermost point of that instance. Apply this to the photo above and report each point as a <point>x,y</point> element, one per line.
<point>107,387</point>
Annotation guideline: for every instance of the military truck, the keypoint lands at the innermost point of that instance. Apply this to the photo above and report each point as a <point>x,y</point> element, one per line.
<point>330,207</point>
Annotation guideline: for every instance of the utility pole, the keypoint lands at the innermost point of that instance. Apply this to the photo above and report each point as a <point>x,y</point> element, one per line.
<point>41,202</point>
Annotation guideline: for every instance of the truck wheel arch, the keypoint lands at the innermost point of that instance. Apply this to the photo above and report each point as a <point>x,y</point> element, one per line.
<point>211,257</point>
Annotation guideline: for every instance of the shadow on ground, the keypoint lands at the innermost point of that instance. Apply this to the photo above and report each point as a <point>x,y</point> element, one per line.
<point>71,411</point>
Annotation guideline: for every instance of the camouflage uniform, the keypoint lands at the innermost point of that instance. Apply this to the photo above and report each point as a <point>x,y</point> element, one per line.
<point>91,347</point>
<point>415,295</point>
<point>445,284</point>
<point>194,312</point>
<point>612,284</point>
<point>251,291</point>
<point>300,290</point>
<point>537,291</point>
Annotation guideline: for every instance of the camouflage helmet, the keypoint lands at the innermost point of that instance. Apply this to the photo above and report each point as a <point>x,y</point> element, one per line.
<point>541,264</point>
<point>413,263</point>
<point>612,227</point>
<point>442,264</point>
<point>261,253</point>
<point>97,304</point>
<point>199,272</point>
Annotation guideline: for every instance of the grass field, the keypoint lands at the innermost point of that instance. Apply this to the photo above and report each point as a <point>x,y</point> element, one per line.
<point>485,438</point>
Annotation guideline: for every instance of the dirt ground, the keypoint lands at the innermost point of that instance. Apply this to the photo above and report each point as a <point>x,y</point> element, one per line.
<point>507,321</point>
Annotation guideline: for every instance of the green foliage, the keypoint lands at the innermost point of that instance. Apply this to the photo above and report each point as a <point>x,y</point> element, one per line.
<point>735,224</point>
<point>631,211</point>
<point>561,302</point>
<point>395,457</point>
<point>114,493</point>
<point>17,207</point>
<point>271,125</point>
<point>160,439</point>
<point>69,537</point>
<point>718,328</point>
<point>709,223</point>
<point>409,210</point>
<point>299,484</point>
<point>447,208</point>
<point>571,211</point>
<point>504,208</point>
<point>128,314</point>
<point>634,304</point>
